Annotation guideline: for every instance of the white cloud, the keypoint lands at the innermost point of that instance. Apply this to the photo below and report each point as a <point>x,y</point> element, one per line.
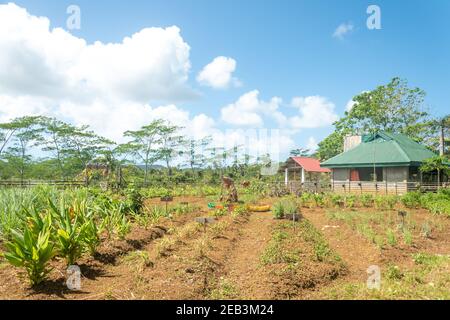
<point>248,110</point>
<point>312,144</point>
<point>152,64</point>
<point>45,71</point>
<point>219,73</point>
<point>349,106</point>
<point>342,30</point>
<point>114,87</point>
<point>314,112</point>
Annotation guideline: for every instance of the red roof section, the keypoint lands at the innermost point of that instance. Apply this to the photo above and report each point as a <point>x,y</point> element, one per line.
<point>310,164</point>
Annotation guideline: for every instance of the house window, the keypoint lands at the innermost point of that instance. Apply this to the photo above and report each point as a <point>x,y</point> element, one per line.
<point>367,174</point>
<point>414,174</point>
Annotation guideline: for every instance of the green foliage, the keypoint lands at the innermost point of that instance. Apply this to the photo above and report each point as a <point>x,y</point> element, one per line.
<point>322,250</point>
<point>32,249</point>
<point>134,200</point>
<point>407,236</point>
<point>385,202</point>
<point>393,107</point>
<point>411,199</point>
<point>70,230</point>
<point>394,273</point>
<point>391,237</point>
<point>366,200</point>
<point>115,221</point>
<point>239,211</point>
<point>278,210</point>
<point>276,251</point>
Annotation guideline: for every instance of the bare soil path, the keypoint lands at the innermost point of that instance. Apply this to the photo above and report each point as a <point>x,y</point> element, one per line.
<point>242,268</point>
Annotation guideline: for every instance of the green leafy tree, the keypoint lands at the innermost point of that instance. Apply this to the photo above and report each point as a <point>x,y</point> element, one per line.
<point>300,152</point>
<point>28,134</point>
<point>143,144</point>
<point>170,144</point>
<point>439,164</point>
<point>394,107</point>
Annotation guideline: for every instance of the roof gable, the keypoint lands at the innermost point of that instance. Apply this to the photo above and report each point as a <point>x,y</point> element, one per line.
<point>383,149</point>
<point>309,164</point>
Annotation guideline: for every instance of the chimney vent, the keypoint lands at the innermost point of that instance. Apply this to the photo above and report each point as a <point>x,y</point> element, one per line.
<point>351,141</point>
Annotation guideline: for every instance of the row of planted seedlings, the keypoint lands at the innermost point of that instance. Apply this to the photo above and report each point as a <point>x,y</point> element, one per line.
<point>437,203</point>
<point>63,226</point>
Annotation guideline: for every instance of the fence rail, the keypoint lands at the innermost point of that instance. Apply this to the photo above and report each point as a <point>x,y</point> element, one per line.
<point>380,187</point>
<point>33,183</point>
<point>384,187</point>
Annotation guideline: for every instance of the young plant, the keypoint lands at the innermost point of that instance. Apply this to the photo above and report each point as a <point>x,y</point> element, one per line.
<point>391,238</point>
<point>91,236</point>
<point>32,249</point>
<point>70,231</point>
<point>278,210</point>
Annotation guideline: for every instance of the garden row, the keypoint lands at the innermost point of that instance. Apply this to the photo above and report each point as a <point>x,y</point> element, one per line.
<point>436,203</point>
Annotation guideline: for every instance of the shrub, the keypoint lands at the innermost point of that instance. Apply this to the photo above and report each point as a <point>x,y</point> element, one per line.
<point>411,199</point>
<point>366,200</point>
<point>337,200</point>
<point>33,248</point>
<point>350,201</point>
<point>70,231</point>
<point>278,210</point>
<point>134,199</point>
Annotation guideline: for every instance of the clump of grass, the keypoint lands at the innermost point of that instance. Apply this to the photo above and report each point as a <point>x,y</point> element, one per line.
<point>138,259</point>
<point>407,237</point>
<point>428,279</point>
<point>394,273</point>
<point>165,246</point>
<point>391,237</point>
<point>225,290</point>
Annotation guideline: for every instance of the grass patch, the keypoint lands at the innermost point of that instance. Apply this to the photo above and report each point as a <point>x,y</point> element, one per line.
<point>428,279</point>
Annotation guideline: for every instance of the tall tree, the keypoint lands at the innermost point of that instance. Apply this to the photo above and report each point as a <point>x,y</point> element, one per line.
<point>394,107</point>
<point>27,133</point>
<point>300,152</point>
<point>143,144</point>
<point>58,138</point>
<point>438,164</point>
<point>170,144</point>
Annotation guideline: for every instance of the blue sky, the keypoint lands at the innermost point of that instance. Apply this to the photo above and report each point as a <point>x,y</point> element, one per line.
<point>284,49</point>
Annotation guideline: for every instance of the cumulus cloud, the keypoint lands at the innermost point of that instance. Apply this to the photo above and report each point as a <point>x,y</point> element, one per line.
<point>312,144</point>
<point>114,87</point>
<point>152,64</point>
<point>314,112</point>
<point>249,109</point>
<point>219,73</point>
<point>109,86</point>
<point>342,30</point>
<point>349,106</point>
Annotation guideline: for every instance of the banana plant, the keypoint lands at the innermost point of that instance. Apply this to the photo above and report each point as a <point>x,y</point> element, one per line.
<point>32,249</point>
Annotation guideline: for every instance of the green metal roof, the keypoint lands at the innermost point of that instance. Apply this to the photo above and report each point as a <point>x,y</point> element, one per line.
<point>382,149</point>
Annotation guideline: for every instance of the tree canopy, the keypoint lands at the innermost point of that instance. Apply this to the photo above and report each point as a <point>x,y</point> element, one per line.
<point>394,107</point>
